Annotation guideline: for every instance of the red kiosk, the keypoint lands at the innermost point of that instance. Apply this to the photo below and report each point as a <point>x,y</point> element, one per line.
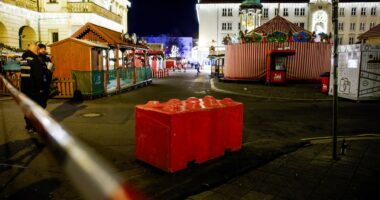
<point>276,69</point>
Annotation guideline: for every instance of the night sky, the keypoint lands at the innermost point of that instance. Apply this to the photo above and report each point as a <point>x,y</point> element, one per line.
<point>155,17</point>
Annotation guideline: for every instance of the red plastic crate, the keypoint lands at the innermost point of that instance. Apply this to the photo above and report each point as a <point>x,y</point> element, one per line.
<point>172,134</point>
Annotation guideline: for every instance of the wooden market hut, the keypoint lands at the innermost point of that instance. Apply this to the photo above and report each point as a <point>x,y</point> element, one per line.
<point>73,55</point>
<point>95,56</point>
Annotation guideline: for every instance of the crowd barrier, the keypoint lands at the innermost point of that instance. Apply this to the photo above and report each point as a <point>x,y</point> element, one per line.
<point>173,134</point>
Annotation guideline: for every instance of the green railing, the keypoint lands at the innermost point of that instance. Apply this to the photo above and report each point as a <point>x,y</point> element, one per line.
<point>126,76</point>
<point>89,83</point>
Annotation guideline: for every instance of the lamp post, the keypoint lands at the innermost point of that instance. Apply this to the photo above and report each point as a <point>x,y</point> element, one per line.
<point>39,21</point>
<point>335,84</point>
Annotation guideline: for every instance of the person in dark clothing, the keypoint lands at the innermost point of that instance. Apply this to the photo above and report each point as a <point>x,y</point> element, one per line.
<point>47,68</point>
<point>33,80</point>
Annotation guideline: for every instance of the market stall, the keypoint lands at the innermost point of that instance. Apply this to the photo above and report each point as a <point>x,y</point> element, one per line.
<point>101,56</point>
<point>248,59</point>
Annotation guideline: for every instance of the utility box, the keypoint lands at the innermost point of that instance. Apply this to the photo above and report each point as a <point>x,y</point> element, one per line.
<point>358,72</point>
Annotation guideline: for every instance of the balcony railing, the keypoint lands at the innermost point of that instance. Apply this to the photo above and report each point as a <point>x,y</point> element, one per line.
<point>90,7</point>
<point>28,4</point>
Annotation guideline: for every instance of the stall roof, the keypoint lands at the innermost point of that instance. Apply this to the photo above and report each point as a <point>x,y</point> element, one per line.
<point>373,32</point>
<point>107,35</point>
<point>85,42</point>
<point>280,24</point>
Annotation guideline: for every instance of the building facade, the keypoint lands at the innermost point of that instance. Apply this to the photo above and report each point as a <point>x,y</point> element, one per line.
<point>25,21</point>
<point>217,18</point>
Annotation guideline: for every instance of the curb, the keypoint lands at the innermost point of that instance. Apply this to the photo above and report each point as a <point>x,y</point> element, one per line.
<point>214,88</point>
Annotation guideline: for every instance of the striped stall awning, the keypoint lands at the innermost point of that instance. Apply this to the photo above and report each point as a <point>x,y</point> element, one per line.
<point>248,61</point>
<point>279,24</point>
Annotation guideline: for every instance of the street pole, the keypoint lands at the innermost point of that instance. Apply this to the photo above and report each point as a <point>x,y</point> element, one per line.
<point>39,21</point>
<point>335,88</point>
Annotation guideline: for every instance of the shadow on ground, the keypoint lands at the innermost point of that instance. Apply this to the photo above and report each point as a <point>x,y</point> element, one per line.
<point>67,109</point>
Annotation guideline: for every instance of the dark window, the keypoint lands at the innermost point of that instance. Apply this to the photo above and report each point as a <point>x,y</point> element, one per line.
<point>353,11</point>
<point>362,26</point>
<point>286,12</point>
<point>352,26</point>
<point>230,12</point>
<point>229,26</point>
<point>296,11</point>
<point>351,40</point>
<point>302,13</point>
<point>373,11</point>
<point>54,36</point>
<point>265,13</point>
<point>363,11</point>
<point>371,25</point>
<point>224,26</point>
<point>340,26</point>
<point>341,12</point>
<point>224,12</point>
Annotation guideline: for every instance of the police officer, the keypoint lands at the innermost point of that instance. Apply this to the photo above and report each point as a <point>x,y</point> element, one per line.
<point>47,68</point>
<point>33,80</point>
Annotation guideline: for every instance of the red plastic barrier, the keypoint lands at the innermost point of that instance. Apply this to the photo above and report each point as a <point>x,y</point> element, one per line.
<point>172,134</point>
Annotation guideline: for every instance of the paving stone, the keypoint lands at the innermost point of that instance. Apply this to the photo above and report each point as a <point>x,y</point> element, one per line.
<point>217,196</point>
<point>293,192</point>
<point>201,195</point>
<point>232,191</point>
<point>257,195</point>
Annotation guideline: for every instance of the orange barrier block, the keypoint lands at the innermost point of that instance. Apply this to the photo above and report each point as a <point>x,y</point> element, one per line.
<point>172,134</point>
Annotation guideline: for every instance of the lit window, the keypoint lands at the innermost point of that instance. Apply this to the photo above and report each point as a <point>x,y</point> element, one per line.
<point>341,12</point>
<point>302,13</point>
<point>230,12</point>
<point>362,26</point>
<point>352,26</point>
<point>296,11</point>
<point>265,13</point>
<point>373,11</point>
<point>286,12</point>
<point>353,11</point>
<point>363,11</point>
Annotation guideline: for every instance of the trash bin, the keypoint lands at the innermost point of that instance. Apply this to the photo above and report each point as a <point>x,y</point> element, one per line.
<point>325,80</point>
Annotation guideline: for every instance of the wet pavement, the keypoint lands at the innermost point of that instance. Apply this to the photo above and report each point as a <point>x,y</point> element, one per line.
<point>273,128</point>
